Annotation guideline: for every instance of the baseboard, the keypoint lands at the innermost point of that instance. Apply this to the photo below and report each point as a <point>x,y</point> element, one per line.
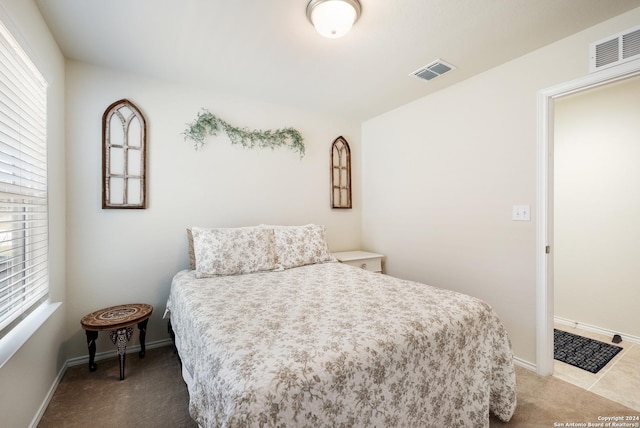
<point>112,354</point>
<point>525,364</point>
<point>85,360</point>
<point>49,396</point>
<point>598,330</point>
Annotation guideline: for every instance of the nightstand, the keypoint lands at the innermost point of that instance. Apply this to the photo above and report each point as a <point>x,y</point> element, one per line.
<point>362,259</point>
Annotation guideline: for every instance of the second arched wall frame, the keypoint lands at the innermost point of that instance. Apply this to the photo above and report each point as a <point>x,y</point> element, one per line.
<point>340,174</point>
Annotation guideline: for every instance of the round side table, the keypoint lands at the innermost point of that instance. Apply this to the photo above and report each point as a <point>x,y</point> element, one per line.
<point>118,320</point>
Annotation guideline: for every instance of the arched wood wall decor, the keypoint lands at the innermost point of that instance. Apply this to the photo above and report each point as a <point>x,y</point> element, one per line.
<point>340,174</point>
<point>124,160</point>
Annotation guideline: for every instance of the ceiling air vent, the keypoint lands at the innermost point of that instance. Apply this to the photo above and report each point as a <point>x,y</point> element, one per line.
<point>433,70</point>
<point>615,50</point>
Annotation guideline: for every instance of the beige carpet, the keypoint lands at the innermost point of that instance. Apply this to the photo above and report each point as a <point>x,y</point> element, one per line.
<point>154,395</point>
<point>547,401</point>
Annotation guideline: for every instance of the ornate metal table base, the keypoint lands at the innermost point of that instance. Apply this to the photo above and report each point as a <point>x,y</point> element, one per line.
<point>120,338</point>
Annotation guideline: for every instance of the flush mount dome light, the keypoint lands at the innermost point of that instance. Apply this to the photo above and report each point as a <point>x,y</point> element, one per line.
<point>333,18</point>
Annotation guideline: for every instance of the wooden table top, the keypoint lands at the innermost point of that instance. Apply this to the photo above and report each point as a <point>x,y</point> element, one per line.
<point>116,317</point>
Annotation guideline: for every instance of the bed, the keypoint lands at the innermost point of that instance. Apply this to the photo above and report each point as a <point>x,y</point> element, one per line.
<point>273,332</point>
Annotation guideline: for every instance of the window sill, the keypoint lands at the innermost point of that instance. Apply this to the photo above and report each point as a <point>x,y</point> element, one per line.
<point>18,336</point>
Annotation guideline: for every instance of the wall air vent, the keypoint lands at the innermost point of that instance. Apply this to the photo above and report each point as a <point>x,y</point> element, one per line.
<point>615,50</point>
<point>433,70</point>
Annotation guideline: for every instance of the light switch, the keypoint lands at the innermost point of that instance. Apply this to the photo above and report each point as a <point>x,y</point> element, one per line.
<point>521,213</point>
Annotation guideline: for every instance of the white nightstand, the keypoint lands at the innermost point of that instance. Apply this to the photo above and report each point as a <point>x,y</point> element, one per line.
<point>361,259</point>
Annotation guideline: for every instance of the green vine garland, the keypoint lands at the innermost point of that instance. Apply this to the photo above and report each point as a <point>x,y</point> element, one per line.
<point>209,124</point>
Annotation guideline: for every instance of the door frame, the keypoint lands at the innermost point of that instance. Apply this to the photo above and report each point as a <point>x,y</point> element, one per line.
<point>544,230</point>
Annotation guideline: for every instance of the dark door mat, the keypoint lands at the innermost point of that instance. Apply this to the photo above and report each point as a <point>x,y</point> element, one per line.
<point>582,352</point>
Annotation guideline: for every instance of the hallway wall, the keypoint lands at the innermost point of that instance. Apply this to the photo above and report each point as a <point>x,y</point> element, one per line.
<point>597,207</point>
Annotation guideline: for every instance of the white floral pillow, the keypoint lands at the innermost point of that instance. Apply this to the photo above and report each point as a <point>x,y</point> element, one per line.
<point>300,245</point>
<point>232,251</point>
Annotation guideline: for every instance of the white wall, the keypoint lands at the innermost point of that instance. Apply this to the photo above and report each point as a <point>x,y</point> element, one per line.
<point>27,377</point>
<point>119,256</point>
<point>597,207</point>
<point>441,175</point>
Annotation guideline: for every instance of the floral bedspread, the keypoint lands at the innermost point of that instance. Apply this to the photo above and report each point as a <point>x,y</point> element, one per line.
<point>330,345</point>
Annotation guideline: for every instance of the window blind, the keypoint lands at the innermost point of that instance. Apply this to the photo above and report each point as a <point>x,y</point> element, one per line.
<point>24,279</point>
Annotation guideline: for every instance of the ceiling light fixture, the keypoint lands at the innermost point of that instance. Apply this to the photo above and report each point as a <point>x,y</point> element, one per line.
<point>333,18</point>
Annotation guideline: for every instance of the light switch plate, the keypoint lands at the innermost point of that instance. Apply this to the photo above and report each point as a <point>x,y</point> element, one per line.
<point>521,213</point>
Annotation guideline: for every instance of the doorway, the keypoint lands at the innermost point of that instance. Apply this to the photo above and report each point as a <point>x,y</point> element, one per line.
<point>544,240</point>
<point>596,186</point>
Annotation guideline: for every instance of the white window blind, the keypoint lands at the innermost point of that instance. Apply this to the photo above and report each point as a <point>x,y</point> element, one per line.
<point>24,278</point>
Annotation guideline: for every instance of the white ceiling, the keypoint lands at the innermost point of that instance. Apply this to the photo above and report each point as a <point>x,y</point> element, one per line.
<point>267,49</point>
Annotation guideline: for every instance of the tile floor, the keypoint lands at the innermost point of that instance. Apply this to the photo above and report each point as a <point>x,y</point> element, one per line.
<point>618,381</point>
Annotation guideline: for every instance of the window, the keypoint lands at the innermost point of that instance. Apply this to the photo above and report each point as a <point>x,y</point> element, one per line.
<point>24,278</point>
